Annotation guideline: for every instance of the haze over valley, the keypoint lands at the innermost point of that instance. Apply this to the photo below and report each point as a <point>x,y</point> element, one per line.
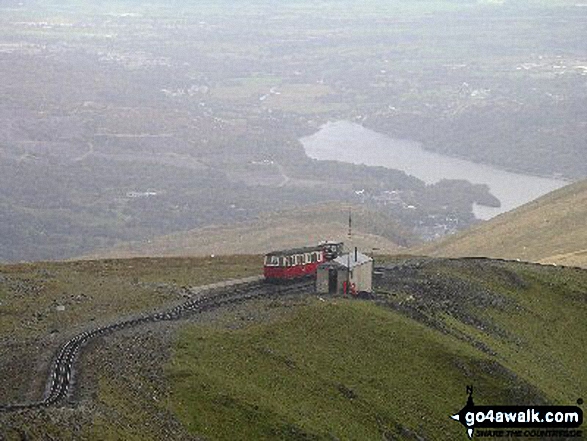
<point>125,121</point>
<point>152,153</point>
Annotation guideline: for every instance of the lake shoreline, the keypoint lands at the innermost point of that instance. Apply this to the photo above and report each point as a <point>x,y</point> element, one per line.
<point>351,142</point>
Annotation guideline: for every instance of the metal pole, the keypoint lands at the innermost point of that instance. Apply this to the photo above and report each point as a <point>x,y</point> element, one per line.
<point>348,272</point>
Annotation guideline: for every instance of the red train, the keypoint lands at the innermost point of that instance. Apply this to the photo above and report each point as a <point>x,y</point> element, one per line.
<point>281,266</point>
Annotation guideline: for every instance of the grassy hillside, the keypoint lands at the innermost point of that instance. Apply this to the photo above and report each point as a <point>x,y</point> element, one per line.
<point>42,304</point>
<point>550,229</point>
<point>304,367</point>
<point>332,370</point>
<point>342,369</point>
<point>279,230</point>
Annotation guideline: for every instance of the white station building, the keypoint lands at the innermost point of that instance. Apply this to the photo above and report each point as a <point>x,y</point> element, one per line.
<point>353,271</point>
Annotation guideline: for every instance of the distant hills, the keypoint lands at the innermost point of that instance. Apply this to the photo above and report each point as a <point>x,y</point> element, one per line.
<point>551,229</point>
<point>278,230</point>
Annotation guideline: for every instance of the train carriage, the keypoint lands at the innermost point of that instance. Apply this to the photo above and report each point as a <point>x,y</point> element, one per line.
<point>296,263</point>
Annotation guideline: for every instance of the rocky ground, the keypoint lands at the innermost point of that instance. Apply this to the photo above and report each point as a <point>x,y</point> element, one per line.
<point>438,292</point>
<point>423,289</point>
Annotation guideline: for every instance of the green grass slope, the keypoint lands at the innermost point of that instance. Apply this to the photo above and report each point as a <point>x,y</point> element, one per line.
<point>43,303</point>
<point>551,229</point>
<point>395,369</point>
<point>335,370</point>
<point>529,318</point>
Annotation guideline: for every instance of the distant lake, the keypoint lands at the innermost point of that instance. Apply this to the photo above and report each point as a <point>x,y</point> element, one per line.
<point>349,142</point>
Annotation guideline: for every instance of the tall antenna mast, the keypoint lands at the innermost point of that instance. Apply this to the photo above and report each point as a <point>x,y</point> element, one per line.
<point>350,225</point>
<point>348,271</point>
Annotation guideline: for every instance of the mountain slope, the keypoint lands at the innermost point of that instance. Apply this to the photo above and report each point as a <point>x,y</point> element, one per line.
<point>293,367</point>
<point>551,229</point>
<point>280,230</point>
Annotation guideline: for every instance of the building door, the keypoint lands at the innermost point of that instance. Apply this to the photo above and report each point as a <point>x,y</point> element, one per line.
<point>332,281</point>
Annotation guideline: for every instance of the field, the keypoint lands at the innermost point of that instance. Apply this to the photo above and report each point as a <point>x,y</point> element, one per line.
<point>309,367</point>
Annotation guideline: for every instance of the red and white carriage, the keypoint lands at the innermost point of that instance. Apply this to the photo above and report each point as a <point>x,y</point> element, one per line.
<point>297,263</point>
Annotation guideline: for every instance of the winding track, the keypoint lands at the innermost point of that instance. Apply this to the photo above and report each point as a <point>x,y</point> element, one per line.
<point>60,385</point>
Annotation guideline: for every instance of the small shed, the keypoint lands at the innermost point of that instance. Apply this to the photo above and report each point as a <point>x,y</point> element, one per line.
<point>354,269</point>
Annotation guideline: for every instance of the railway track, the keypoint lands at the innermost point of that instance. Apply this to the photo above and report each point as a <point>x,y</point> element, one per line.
<point>60,379</point>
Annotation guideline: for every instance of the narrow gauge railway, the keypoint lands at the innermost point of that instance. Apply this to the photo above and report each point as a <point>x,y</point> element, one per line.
<point>60,384</point>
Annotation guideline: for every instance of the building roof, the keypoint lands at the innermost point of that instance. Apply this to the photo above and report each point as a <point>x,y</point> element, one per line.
<point>348,260</point>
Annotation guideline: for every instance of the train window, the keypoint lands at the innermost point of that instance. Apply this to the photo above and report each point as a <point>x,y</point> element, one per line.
<point>298,259</point>
<point>271,261</point>
<point>308,257</point>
